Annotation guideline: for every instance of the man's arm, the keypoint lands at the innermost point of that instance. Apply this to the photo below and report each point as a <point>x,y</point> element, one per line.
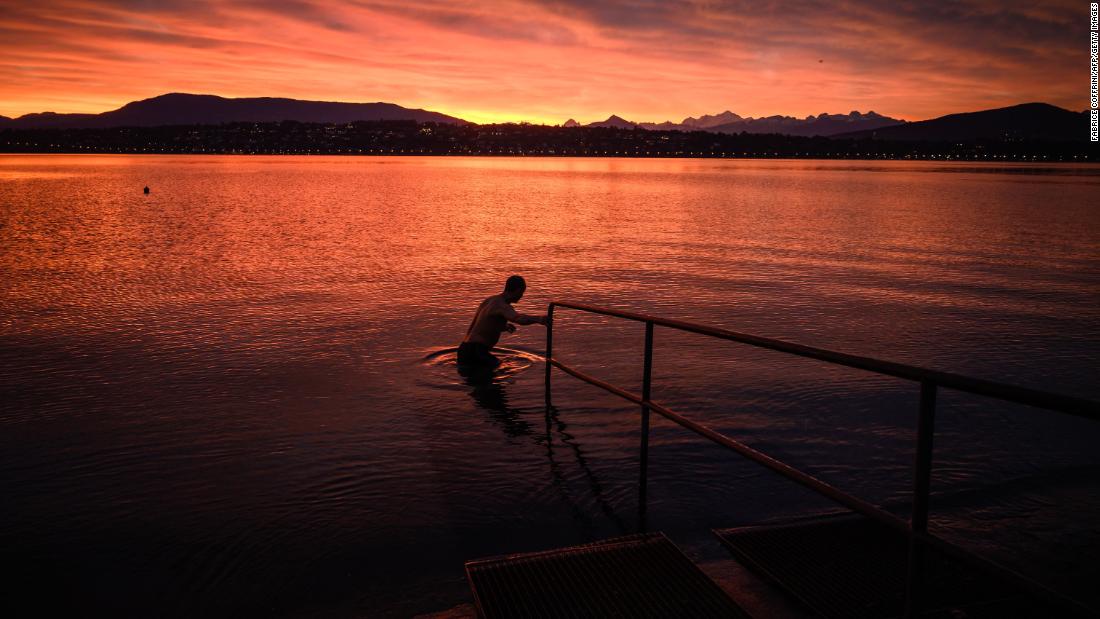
<point>511,315</point>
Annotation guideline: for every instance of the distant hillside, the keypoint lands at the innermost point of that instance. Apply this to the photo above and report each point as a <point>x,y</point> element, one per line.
<point>1027,121</point>
<point>728,122</point>
<point>188,109</point>
<point>827,125</point>
<point>49,120</point>
<point>613,121</point>
<point>707,121</point>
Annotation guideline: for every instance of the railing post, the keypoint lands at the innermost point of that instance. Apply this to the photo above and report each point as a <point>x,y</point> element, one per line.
<point>549,347</point>
<point>922,481</point>
<point>647,374</point>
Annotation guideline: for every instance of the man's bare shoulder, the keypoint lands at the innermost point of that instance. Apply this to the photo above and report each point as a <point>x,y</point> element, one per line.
<point>498,305</point>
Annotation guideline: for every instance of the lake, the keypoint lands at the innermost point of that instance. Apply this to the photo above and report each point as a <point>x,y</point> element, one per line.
<point>237,394</point>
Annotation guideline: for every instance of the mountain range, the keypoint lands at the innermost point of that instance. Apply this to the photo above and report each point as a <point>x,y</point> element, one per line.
<point>189,109</point>
<point>1028,121</point>
<point>729,122</point>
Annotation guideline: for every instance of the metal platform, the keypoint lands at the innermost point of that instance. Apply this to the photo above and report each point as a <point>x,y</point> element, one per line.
<point>853,567</point>
<point>642,575</point>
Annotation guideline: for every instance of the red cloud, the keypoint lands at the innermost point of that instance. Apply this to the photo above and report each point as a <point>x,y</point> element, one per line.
<point>548,61</point>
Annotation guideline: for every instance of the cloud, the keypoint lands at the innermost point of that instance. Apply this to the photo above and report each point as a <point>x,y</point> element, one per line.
<point>549,60</point>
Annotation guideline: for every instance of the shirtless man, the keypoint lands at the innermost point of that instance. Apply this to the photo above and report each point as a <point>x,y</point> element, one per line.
<point>494,316</point>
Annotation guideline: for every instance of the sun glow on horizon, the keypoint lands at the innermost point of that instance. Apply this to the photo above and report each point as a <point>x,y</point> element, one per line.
<point>485,117</point>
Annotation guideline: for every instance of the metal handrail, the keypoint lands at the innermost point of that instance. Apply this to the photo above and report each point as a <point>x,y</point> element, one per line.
<point>1013,393</point>
<point>917,526</point>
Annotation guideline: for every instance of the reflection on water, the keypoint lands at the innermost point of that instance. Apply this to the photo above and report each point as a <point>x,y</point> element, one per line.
<point>488,389</point>
<point>486,385</point>
<point>512,363</point>
<point>237,394</point>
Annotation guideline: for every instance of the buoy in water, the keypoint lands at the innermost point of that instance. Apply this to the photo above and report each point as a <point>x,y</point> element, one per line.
<point>146,189</point>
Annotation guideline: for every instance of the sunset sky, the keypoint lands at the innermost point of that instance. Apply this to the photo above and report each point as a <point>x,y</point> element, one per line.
<point>510,60</point>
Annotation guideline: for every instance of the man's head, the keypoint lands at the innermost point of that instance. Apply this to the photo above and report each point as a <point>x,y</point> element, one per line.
<point>514,288</point>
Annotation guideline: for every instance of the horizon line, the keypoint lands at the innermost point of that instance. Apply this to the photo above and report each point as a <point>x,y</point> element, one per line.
<point>476,116</point>
<point>480,117</point>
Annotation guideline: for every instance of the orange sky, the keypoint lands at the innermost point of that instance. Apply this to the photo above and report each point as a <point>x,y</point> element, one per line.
<point>507,60</point>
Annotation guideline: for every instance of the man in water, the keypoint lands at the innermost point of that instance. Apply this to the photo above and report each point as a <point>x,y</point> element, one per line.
<point>494,316</point>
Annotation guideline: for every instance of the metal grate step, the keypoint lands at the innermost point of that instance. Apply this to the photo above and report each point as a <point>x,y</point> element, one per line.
<point>642,575</point>
<point>853,567</point>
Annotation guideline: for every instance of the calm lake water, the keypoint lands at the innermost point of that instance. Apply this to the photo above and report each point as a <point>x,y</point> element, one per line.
<point>235,395</point>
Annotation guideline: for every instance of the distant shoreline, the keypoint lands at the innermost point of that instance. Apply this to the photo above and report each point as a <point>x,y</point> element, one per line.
<point>756,157</point>
<point>409,138</point>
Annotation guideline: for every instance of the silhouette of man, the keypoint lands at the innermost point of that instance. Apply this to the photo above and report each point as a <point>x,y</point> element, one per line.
<point>494,316</point>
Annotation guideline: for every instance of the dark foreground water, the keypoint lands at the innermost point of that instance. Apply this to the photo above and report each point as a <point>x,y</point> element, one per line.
<point>235,396</point>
